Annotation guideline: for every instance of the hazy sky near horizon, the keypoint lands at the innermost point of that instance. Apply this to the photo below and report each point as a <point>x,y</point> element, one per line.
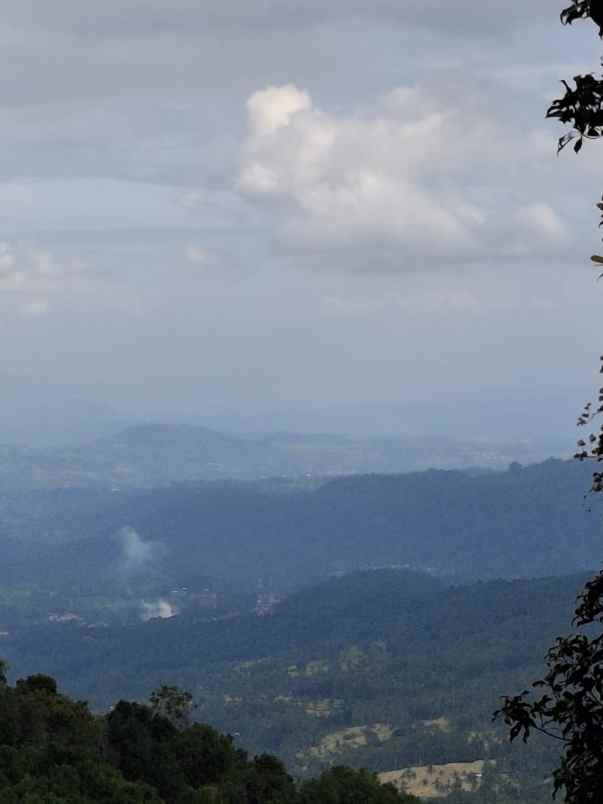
<point>264,204</point>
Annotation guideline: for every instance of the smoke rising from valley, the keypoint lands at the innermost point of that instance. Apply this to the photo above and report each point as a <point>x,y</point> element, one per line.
<point>136,555</point>
<point>157,609</point>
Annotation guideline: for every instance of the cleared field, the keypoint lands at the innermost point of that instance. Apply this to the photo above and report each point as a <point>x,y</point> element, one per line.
<point>314,668</point>
<point>436,781</point>
<point>346,739</point>
<point>439,724</point>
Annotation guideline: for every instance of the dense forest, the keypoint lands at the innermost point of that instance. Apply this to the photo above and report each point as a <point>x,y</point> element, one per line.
<point>384,669</point>
<point>53,750</point>
<point>525,522</point>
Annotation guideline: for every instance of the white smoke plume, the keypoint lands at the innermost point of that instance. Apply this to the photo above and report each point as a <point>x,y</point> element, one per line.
<point>157,609</point>
<point>136,555</point>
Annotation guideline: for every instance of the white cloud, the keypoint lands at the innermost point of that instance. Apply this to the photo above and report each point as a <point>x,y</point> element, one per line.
<point>274,108</point>
<point>418,175</point>
<point>197,255</point>
<point>542,221</point>
<point>35,308</point>
<point>26,268</point>
<point>33,280</point>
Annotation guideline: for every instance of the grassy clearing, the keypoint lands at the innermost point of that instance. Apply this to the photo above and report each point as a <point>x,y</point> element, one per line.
<point>347,739</point>
<point>439,724</point>
<point>323,708</point>
<point>313,668</point>
<point>436,781</point>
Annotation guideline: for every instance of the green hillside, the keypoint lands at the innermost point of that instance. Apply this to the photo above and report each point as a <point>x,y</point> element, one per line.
<point>54,751</point>
<point>381,669</point>
<point>519,523</point>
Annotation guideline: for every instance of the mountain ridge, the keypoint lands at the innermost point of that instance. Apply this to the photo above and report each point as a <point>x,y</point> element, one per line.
<point>145,455</point>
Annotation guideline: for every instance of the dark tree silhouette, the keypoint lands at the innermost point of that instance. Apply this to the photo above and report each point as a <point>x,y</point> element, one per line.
<point>571,708</point>
<point>581,105</point>
<point>569,703</point>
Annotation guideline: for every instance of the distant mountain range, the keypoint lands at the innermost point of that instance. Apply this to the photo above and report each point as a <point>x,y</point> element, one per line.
<point>45,412</point>
<point>148,455</point>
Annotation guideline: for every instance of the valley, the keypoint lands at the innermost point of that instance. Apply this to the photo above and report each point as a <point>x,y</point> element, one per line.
<point>373,621</point>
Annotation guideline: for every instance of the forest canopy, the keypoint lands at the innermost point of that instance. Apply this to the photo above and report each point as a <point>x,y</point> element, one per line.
<point>53,750</point>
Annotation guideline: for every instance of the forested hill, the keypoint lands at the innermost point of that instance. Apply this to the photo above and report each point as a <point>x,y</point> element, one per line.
<point>54,751</point>
<point>525,522</point>
<point>379,669</point>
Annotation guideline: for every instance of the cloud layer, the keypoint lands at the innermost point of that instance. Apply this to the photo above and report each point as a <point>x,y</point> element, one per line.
<point>280,203</point>
<point>151,16</point>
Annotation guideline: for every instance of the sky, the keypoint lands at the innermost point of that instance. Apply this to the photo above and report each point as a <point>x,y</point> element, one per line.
<point>216,207</point>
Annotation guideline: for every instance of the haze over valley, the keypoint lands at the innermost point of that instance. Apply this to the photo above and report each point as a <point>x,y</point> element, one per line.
<point>300,402</point>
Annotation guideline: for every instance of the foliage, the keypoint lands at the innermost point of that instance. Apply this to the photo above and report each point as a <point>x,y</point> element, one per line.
<point>50,751</point>
<point>582,9</point>
<point>54,751</point>
<point>581,105</point>
<point>570,708</point>
<point>591,446</point>
<point>240,533</point>
<point>346,786</point>
<point>173,704</point>
<point>381,647</point>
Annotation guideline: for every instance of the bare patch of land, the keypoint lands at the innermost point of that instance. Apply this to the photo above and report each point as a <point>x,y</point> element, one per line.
<point>436,781</point>
<point>339,741</point>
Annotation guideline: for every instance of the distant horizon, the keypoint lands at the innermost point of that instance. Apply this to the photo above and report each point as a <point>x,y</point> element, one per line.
<point>36,413</point>
<point>199,215</point>
<point>492,414</point>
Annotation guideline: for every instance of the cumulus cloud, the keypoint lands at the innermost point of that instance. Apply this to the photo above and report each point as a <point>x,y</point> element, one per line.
<point>273,108</point>
<point>417,175</point>
<point>124,139</point>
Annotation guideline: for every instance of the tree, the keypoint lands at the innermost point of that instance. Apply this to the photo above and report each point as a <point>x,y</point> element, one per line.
<point>582,105</point>
<point>49,751</point>
<point>37,683</point>
<point>174,704</point>
<point>570,708</point>
<point>346,786</point>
